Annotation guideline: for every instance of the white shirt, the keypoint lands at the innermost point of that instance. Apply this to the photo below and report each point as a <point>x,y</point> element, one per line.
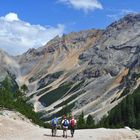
<point>67,123</point>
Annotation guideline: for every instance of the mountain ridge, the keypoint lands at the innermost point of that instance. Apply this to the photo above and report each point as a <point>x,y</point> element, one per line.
<point>87,71</point>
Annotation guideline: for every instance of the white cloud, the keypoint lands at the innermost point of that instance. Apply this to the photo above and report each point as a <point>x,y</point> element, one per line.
<point>11,17</point>
<point>118,13</point>
<point>17,36</point>
<point>86,5</point>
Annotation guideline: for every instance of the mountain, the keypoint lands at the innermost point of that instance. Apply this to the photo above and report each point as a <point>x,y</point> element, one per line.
<point>8,66</point>
<point>87,71</point>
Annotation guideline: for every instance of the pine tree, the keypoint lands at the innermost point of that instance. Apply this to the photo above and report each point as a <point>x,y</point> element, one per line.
<point>123,111</point>
<point>138,122</point>
<point>131,115</point>
<point>7,84</point>
<point>24,88</point>
<point>90,122</point>
<point>81,121</point>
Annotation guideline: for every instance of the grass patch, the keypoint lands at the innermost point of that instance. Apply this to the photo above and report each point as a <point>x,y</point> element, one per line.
<point>55,94</point>
<point>77,87</point>
<point>57,74</point>
<point>43,91</point>
<point>69,99</point>
<point>125,92</point>
<point>49,79</point>
<point>36,76</point>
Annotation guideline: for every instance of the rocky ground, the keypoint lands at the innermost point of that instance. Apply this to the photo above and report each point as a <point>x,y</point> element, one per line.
<point>15,127</point>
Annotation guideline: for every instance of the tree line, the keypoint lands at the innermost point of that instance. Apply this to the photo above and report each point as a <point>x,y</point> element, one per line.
<point>14,99</point>
<point>126,113</point>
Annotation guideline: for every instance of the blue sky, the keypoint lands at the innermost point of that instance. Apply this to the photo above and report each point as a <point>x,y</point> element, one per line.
<point>51,17</point>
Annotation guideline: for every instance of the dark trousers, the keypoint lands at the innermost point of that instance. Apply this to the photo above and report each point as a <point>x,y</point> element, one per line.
<point>54,129</point>
<point>72,129</point>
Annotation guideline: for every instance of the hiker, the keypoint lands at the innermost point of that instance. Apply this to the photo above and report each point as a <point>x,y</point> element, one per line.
<point>73,123</point>
<point>65,125</point>
<point>54,124</point>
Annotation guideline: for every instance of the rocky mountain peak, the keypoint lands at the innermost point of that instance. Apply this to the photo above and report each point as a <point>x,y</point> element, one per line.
<point>131,18</point>
<point>121,32</point>
<point>128,20</point>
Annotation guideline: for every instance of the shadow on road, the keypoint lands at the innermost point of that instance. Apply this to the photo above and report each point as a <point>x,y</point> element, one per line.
<point>57,136</point>
<point>51,135</point>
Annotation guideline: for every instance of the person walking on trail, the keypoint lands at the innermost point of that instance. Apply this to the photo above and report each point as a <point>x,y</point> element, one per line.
<point>65,125</point>
<point>73,123</point>
<point>54,124</point>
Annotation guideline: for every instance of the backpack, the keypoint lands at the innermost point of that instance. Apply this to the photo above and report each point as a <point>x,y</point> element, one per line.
<point>54,122</point>
<point>65,123</point>
<point>72,123</point>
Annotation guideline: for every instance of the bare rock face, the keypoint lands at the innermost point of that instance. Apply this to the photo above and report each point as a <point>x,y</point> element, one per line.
<point>116,54</point>
<point>88,70</point>
<point>8,66</point>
